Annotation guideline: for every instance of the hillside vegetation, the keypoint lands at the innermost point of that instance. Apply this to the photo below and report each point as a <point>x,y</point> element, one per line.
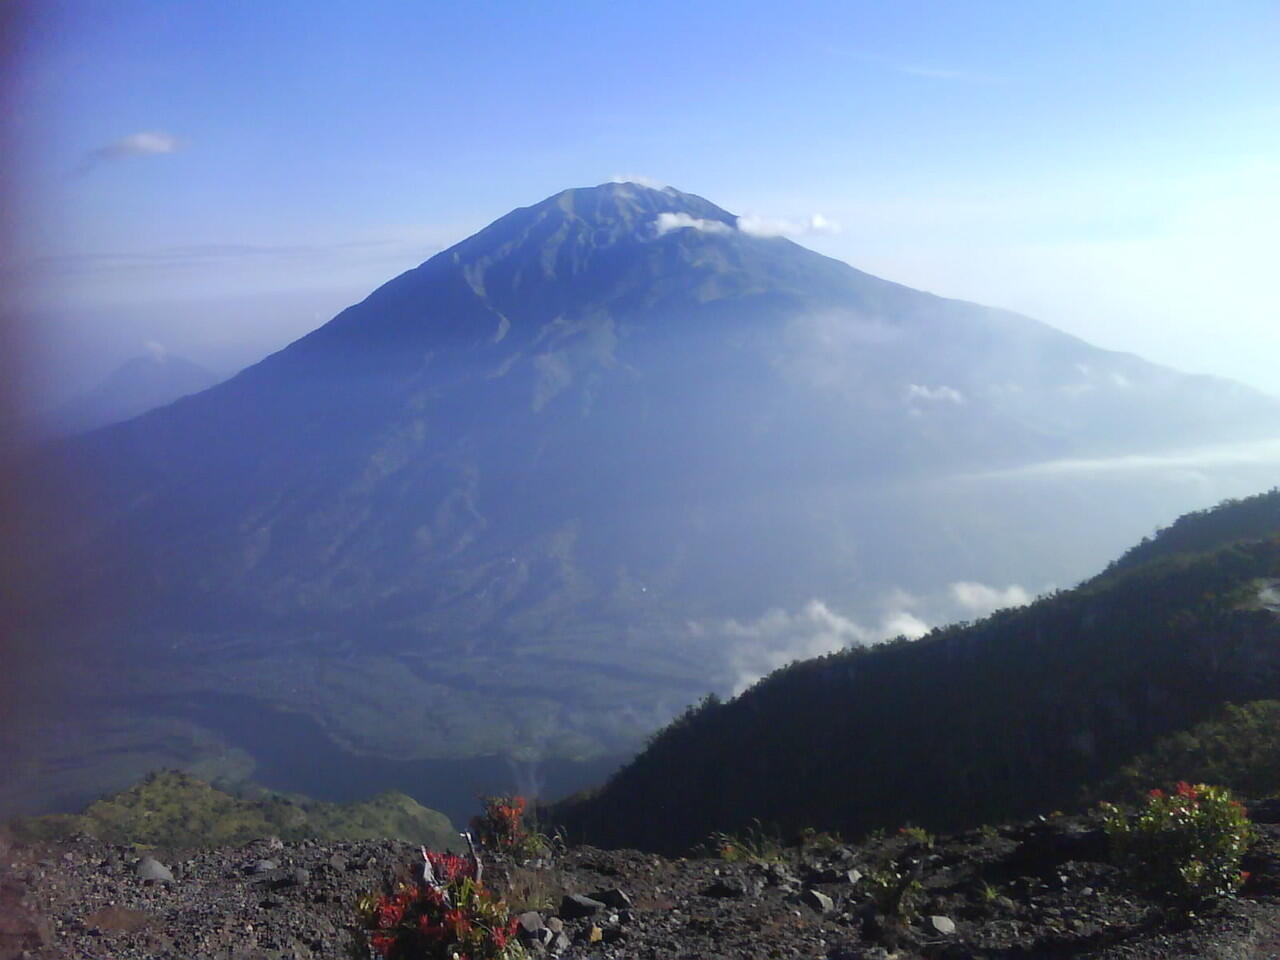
<point>174,809</point>
<point>1239,749</point>
<point>975,723</point>
<point>1247,518</point>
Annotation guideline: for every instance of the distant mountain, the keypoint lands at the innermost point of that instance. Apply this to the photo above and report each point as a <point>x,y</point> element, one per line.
<point>536,495</point>
<point>1016,714</point>
<point>136,386</point>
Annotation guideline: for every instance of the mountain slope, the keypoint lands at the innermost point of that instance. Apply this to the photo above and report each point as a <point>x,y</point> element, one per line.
<point>138,385</point>
<point>1247,518</point>
<point>492,507</point>
<point>441,415</point>
<point>973,723</point>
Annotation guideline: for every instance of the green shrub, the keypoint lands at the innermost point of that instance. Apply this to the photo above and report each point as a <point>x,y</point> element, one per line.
<point>821,842</point>
<point>1186,845</point>
<point>893,890</point>
<point>756,845</point>
<point>917,836</point>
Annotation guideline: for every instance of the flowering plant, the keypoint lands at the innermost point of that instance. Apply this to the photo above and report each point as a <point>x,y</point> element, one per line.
<point>1186,844</point>
<point>501,827</point>
<point>448,915</point>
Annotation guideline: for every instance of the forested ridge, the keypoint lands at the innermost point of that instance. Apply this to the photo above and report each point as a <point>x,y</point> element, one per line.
<point>1246,518</point>
<point>1017,714</point>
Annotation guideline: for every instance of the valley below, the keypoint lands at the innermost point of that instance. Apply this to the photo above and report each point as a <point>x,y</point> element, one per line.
<point>348,709</point>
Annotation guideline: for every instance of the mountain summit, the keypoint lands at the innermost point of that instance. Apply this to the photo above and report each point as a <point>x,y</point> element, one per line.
<point>534,495</point>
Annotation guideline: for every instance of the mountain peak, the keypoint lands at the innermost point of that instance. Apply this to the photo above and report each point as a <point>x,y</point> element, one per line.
<point>622,197</point>
<point>618,207</point>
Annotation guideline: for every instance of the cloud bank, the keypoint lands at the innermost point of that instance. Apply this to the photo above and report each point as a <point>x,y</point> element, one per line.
<point>751,225</point>
<point>667,222</point>
<point>980,599</point>
<point>754,648</point>
<point>757,226</point>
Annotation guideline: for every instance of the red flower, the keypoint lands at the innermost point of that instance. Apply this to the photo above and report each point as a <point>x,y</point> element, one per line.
<point>390,912</point>
<point>1186,790</point>
<point>449,867</point>
<point>1244,877</point>
<point>431,897</point>
<point>457,920</point>
<point>382,943</point>
<point>1156,794</point>
<point>431,929</point>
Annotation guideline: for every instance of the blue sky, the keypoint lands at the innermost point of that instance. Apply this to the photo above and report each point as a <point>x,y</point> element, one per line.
<point>220,177</point>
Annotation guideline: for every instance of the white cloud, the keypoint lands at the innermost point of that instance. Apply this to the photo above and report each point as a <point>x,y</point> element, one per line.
<point>679,221</point>
<point>755,648</point>
<point>757,226</point>
<point>942,394</point>
<point>146,143</point>
<point>979,599</point>
<point>902,623</point>
<point>751,225</point>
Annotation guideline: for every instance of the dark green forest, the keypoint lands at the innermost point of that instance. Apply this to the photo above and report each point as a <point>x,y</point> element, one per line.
<point>1021,713</point>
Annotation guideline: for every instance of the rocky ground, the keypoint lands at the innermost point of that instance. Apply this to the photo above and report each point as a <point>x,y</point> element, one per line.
<point>1037,889</point>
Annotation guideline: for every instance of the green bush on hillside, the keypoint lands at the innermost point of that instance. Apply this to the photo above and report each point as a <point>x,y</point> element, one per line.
<point>1186,845</point>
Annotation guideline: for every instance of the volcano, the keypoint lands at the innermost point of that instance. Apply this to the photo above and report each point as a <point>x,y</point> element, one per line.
<point>495,506</point>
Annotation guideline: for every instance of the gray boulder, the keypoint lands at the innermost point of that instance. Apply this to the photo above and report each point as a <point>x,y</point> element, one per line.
<point>149,868</point>
<point>575,906</point>
<point>818,901</point>
<point>943,925</point>
<point>613,898</point>
<point>529,926</point>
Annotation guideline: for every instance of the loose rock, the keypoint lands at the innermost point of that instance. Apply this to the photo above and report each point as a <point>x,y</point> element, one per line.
<point>149,868</point>
<point>943,925</point>
<point>575,906</point>
<point>817,901</point>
